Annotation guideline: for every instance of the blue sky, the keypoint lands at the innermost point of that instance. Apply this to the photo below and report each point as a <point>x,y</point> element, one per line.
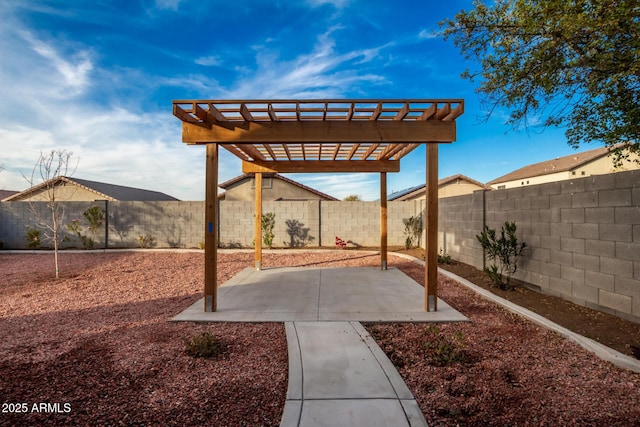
<point>97,78</point>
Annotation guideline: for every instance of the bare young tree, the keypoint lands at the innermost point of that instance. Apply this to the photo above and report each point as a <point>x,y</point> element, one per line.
<point>51,165</point>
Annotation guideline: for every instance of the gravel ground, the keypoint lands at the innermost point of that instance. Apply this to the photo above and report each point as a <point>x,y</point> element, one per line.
<point>95,348</point>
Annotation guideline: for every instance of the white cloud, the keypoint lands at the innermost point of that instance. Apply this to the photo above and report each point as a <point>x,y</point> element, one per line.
<point>338,4</point>
<point>429,34</point>
<point>208,61</point>
<point>74,70</point>
<point>323,73</point>
<point>168,4</point>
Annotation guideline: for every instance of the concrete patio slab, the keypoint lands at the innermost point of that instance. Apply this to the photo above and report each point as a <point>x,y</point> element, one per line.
<point>365,294</point>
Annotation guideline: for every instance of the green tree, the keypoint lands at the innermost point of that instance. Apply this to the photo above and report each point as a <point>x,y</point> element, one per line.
<point>352,198</point>
<point>573,63</point>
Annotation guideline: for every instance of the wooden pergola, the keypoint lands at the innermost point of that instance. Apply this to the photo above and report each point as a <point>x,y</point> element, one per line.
<point>321,136</point>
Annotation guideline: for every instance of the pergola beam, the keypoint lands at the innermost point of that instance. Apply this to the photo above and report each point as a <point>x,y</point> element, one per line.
<point>321,166</point>
<point>320,132</point>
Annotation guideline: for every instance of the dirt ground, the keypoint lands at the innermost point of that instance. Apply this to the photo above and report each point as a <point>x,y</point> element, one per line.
<point>612,331</point>
<point>95,347</point>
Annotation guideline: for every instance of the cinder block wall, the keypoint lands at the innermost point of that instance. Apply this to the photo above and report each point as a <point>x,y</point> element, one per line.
<point>583,234</point>
<point>314,223</point>
<point>181,224</point>
<point>583,237</point>
<point>16,218</point>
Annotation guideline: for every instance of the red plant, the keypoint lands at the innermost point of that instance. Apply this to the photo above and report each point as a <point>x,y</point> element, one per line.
<point>342,243</point>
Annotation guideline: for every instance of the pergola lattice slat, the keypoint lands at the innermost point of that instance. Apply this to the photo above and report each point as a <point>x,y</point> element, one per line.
<point>327,135</point>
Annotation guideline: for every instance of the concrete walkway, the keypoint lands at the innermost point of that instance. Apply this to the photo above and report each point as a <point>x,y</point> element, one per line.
<point>338,376</point>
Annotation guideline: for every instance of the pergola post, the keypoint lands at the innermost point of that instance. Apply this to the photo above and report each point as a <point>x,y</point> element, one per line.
<point>258,221</point>
<point>383,220</point>
<point>211,230</point>
<point>431,246</point>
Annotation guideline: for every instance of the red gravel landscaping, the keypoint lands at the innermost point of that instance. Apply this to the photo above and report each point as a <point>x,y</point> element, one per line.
<point>96,348</point>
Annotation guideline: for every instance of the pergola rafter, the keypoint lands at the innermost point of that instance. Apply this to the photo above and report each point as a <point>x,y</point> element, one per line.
<point>325,135</point>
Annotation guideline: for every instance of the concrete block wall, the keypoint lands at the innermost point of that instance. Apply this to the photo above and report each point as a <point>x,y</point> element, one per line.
<point>181,224</point>
<point>360,222</point>
<point>296,223</point>
<point>583,237</point>
<point>583,234</point>
<point>459,221</point>
<point>16,218</point>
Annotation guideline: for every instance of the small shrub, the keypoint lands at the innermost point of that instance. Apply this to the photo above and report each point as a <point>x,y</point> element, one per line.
<point>95,217</point>
<point>442,349</point>
<point>33,238</point>
<point>504,251</point>
<point>268,223</point>
<point>444,258</point>
<point>412,231</point>
<point>341,243</point>
<point>76,229</point>
<point>146,241</point>
<point>204,345</point>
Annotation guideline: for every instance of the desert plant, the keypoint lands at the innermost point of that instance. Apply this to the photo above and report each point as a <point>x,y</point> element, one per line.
<point>146,241</point>
<point>444,258</point>
<point>95,217</point>
<point>443,349</point>
<point>33,238</point>
<point>76,229</point>
<point>204,345</point>
<point>268,223</point>
<point>504,251</point>
<point>412,230</point>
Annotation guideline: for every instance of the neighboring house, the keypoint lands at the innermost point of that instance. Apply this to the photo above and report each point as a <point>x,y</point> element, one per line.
<point>82,190</point>
<point>274,187</point>
<point>586,163</point>
<point>455,185</point>
<point>6,193</point>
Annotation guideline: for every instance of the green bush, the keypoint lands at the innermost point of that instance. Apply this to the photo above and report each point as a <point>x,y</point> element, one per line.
<point>95,217</point>
<point>412,231</point>
<point>146,241</point>
<point>442,349</point>
<point>33,238</point>
<point>204,345</point>
<point>268,223</point>
<point>504,251</point>
<point>444,258</point>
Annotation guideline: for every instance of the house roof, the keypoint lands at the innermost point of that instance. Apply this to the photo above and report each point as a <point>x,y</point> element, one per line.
<point>7,193</point>
<point>560,164</point>
<point>103,190</point>
<point>242,177</point>
<point>441,182</point>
